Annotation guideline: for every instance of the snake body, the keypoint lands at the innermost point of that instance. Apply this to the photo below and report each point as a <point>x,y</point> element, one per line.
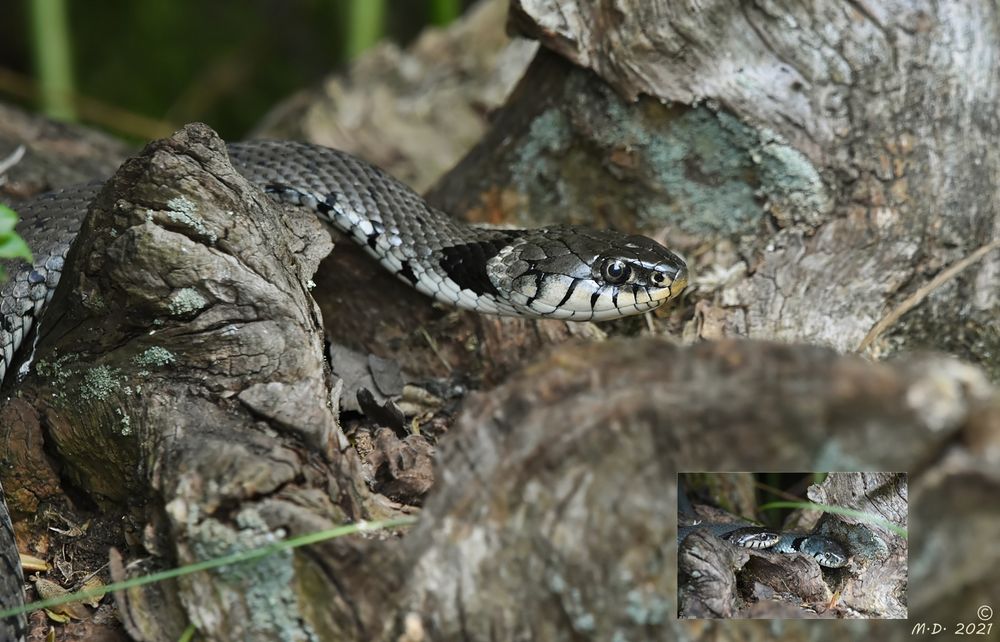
<point>555,272</point>
<point>11,579</point>
<point>560,272</point>
<point>826,551</point>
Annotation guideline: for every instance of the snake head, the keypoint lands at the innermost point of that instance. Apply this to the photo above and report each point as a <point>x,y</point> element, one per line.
<point>586,275</point>
<point>827,552</point>
<point>753,537</point>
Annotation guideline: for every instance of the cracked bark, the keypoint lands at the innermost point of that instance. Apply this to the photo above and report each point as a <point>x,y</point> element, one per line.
<point>834,165</point>
<point>180,377</point>
<point>525,511</point>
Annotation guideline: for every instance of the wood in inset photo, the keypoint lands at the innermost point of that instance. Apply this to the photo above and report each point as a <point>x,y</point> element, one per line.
<point>792,545</point>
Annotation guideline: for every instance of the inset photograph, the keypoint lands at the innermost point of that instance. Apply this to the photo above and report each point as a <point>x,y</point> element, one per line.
<point>792,545</point>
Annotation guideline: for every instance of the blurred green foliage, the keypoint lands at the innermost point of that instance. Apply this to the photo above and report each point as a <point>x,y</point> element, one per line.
<point>224,62</point>
<point>364,25</point>
<point>12,246</point>
<point>53,63</point>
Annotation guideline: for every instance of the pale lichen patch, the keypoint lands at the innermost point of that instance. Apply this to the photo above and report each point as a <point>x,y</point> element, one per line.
<point>124,422</point>
<point>266,584</point>
<point>186,301</point>
<point>154,356</point>
<point>99,383</point>
<point>185,212</point>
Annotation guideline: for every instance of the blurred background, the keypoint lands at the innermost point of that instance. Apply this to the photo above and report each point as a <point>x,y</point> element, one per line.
<point>140,69</point>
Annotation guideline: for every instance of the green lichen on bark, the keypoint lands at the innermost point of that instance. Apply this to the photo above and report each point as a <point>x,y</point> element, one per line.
<point>186,301</point>
<point>155,356</point>
<point>100,382</point>
<point>265,585</point>
<point>696,167</point>
<point>185,212</point>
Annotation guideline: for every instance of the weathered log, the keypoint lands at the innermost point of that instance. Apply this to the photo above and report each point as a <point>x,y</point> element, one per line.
<point>11,577</point>
<point>557,492</point>
<point>814,161</point>
<point>180,373</point>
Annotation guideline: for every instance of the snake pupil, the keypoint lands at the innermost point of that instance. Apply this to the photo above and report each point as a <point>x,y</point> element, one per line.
<point>616,271</point>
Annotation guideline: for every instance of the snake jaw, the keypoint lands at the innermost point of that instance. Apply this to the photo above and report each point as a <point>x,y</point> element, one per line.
<point>753,537</point>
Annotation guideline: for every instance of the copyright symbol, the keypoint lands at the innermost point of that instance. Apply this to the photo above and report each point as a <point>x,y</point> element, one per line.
<point>985,612</point>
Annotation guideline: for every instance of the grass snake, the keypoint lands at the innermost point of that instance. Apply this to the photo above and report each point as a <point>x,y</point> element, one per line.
<point>559,272</point>
<point>826,551</point>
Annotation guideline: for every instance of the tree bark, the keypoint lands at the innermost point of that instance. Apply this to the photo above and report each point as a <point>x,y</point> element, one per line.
<point>566,474</point>
<point>11,577</point>
<point>817,162</point>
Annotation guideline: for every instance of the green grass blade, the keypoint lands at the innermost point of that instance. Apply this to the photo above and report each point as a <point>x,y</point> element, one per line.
<point>53,64</point>
<point>839,510</point>
<point>226,560</point>
<point>12,246</point>
<point>188,633</point>
<point>442,12</point>
<point>365,20</point>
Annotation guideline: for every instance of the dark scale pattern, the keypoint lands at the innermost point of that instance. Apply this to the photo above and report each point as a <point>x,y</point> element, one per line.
<point>49,224</point>
<point>384,216</point>
<point>569,292</point>
<point>466,264</point>
<point>354,187</point>
<point>827,552</point>
<point>406,271</point>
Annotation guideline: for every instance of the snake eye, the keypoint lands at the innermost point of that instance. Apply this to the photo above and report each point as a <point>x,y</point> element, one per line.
<point>615,271</point>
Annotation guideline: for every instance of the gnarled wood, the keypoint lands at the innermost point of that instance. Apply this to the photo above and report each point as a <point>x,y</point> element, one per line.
<point>181,373</point>
<point>822,154</point>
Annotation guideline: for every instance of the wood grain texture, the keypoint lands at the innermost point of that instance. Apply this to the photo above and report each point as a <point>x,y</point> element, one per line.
<point>870,170</point>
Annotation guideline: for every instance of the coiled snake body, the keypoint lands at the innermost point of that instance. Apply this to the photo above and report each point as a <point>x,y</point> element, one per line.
<point>557,272</point>
<point>827,552</point>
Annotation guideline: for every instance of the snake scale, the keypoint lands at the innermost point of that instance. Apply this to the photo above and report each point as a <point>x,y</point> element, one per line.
<point>560,272</point>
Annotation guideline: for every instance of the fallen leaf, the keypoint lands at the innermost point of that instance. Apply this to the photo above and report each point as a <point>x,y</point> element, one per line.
<point>93,584</point>
<point>32,563</point>
<point>48,589</point>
